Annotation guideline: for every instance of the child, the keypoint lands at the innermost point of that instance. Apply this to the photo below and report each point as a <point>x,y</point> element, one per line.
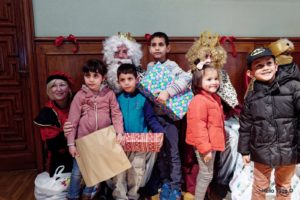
<point>138,118</point>
<point>269,125</point>
<point>205,124</point>
<point>170,170</point>
<point>101,109</point>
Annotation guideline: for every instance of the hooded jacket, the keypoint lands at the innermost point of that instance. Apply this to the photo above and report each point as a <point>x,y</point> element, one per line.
<point>269,122</point>
<point>101,111</point>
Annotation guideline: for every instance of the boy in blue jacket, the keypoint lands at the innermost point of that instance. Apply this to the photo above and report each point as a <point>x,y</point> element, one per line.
<point>138,117</point>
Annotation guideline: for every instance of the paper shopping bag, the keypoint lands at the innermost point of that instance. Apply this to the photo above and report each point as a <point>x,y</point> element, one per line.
<point>100,156</point>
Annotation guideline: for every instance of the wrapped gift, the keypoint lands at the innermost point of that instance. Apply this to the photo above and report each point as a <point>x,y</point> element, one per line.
<point>143,142</point>
<point>157,79</point>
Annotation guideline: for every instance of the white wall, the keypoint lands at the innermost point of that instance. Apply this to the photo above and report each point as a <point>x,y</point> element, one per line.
<point>175,17</point>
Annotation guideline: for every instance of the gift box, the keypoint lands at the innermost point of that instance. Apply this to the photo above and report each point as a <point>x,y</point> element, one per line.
<point>143,142</point>
<point>157,79</point>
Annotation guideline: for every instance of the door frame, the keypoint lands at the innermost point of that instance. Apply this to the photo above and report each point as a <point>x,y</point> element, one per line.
<point>30,68</point>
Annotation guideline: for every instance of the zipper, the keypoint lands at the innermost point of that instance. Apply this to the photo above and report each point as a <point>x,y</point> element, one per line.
<point>95,110</point>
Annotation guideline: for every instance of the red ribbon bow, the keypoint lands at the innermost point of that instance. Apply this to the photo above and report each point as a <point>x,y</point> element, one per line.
<point>71,38</point>
<point>229,39</point>
<point>59,41</point>
<point>147,37</point>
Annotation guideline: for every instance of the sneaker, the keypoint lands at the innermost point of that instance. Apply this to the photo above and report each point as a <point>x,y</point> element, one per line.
<point>165,191</point>
<point>188,196</point>
<point>175,195</point>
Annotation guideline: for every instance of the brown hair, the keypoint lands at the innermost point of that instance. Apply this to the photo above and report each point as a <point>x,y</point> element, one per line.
<point>198,76</point>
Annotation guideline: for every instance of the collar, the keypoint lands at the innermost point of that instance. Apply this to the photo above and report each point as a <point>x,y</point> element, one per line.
<point>210,96</point>
<point>160,62</point>
<point>133,94</point>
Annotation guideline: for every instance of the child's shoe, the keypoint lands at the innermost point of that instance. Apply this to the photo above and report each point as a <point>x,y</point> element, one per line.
<point>155,197</point>
<point>175,195</point>
<point>165,191</point>
<point>188,196</point>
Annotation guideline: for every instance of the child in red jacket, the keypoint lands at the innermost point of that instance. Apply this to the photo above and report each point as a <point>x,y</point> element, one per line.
<point>205,124</point>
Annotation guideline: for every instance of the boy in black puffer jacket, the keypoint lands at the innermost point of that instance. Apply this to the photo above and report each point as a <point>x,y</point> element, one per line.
<point>269,124</point>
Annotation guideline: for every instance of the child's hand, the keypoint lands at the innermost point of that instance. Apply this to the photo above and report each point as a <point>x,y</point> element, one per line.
<point>246,159</point>
<point>163,97</point>
<point>121,139</point>
<point>67,128</point>
<point>73,151</point>
<point>207,157</point>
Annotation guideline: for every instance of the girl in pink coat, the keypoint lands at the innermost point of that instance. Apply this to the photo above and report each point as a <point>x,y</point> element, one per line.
<point>205,124</point>
<point>101,110</point>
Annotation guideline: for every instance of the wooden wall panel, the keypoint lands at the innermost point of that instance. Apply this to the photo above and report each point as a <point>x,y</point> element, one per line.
<point>51,58</point>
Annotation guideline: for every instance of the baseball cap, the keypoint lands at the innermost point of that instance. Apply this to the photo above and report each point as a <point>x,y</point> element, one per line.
<point>258,53</point>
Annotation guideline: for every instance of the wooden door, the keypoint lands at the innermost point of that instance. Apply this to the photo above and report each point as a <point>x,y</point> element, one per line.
<point>17,91</point>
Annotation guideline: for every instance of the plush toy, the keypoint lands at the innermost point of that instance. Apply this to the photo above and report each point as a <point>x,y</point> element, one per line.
<point>282,50</point>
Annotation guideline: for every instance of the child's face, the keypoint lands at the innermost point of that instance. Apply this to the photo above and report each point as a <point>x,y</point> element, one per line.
<point>263,69</point>
<point>122,52</point>
<point>210,80</point>
<point>127,82</point>
<point>158,49</point>
<point>93,80</point>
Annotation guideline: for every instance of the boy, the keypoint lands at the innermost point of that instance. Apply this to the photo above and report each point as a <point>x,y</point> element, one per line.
<point>269,125</point>
<point>170,171</point>
<point>138,117</point>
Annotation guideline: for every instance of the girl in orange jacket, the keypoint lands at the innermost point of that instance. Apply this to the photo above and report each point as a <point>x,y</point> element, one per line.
<point>205,124</point>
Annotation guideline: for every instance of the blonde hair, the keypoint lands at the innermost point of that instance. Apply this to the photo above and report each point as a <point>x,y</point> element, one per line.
<point>50,85</point>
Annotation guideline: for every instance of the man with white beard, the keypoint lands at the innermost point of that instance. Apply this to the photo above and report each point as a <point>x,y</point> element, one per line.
<point>118,49</point>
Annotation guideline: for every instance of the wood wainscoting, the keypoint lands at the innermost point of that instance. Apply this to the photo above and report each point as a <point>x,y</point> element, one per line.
<point>50,57</point>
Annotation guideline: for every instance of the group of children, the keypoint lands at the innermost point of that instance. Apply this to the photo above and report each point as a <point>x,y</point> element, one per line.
<point>269,122</point>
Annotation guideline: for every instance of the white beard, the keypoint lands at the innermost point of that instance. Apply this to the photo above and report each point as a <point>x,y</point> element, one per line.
<point>112,78</point>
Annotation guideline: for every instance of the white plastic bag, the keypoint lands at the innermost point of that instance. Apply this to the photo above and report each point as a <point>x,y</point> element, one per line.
<point>52,188</point>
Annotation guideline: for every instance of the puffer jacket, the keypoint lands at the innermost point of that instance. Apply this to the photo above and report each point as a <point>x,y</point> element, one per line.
<point>205,123</point>
<point>269,122</point>
<point>101,111</point>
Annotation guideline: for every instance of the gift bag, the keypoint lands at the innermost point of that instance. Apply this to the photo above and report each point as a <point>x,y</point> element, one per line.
<point>101,157</point>
<point>143,142</point>
<point>46,187</point>
<point>157,79</point>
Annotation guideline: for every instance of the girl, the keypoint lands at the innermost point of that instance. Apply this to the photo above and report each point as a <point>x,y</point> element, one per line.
<point>100,110</point>
<point>205,124</point>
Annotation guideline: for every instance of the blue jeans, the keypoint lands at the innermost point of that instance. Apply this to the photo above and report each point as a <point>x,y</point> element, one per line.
<point>74,188</point>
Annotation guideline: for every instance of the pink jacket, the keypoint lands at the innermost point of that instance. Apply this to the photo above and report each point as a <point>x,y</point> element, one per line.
<point>102,111</point>
<point>205,123</point>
